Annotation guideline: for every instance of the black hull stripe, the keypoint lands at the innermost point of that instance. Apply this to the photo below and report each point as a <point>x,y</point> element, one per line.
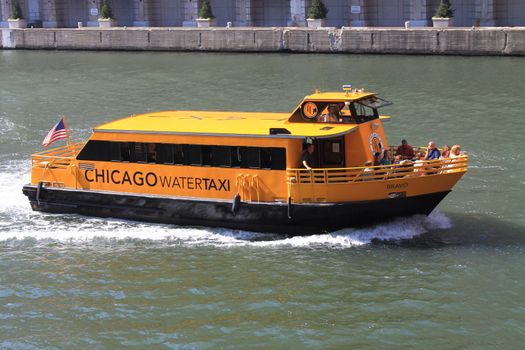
<point>301,219</point>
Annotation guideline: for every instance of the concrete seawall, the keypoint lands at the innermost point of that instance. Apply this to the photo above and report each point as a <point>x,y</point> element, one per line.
<point>453,41</point>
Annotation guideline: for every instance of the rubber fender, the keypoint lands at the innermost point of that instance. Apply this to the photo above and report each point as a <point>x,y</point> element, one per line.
<point>236,204</point>
<point>289,207</point>
<point>39,191</point>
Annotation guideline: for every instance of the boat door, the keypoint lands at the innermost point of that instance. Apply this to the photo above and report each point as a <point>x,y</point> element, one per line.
<point>331,152</point>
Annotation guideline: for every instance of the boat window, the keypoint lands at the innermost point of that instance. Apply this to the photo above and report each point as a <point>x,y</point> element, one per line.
<point>152,153</point>
<point>222,156</point>
<point>199,155</point>
<point>141,152</point>
<point>194,155</point>
<point>238,156</point>
<point>278,159</point>
<point>206,155</point>
<point>253,157</point>
<point>178,154</point>
<point>164,153</point>
<point>115,155</point>
<point>95,150</point>
<point>125,153</point>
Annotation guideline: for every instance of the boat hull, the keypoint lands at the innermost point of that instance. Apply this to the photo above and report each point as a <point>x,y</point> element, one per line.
<point>290,219</point>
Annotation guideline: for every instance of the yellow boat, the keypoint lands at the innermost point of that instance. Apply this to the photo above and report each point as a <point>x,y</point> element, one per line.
<point>243,170</point>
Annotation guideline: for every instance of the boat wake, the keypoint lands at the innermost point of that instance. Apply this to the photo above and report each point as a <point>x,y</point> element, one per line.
<point>19,223</point>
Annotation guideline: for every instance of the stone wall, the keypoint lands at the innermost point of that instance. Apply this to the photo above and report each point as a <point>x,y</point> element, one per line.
<point>478,41</point>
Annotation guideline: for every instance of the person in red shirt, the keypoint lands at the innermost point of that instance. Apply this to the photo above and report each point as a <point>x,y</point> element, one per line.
<point>405,150</point>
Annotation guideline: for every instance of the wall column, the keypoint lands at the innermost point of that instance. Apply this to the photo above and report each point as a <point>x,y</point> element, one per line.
<point>93,12</point>
<point>485,13</point>
<point>49,14</point>
<point>418,13</point>
<point>191,11</point>
<point>243,13</point>
<point>297,13</point>
<point>358,15</point>
<point>5,12</point>
<point>142,13</point>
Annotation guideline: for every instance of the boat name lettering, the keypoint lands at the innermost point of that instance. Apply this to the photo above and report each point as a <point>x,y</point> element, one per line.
<point>396,186</point>
<point>151,179</point>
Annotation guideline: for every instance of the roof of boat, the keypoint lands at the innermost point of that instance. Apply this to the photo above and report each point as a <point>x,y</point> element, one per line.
<point>256,124</point>
<point>339,96</point>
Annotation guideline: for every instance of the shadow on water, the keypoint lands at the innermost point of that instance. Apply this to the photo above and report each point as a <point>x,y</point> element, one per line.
<point>467,230</point>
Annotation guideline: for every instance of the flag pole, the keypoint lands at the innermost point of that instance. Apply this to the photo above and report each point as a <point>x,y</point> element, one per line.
<point>68,139</point>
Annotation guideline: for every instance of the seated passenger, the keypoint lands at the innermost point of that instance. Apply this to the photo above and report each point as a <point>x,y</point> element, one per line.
<point>332,116</point>
<point>377,158</point>
<point>405,150</point>
<point>419,165</point>
<point>432,151</point>
<point>386,158</point>
<point>455,151</point>
<point>367,171</point>
<point>398,158</point>
<point>445,152</point>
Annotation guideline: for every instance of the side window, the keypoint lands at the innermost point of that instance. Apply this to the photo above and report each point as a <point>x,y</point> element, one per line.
<point>115,155</point>
<point>178,154</point>
<point>164,153</point>
<point>222,156</point>
<point>278,158</point>
<point>266,158</point>
<point>125,151</point>
<point>253,157</point>
<point>152,152</point>
<point>194,155</point>
<point>141,152</point>
<point>95,150</point>
<point>207,155</point>
<point>238,157</point>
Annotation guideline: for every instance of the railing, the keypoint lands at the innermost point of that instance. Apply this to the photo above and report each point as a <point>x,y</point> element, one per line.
<point>376,173</point>
<point>56,158</point>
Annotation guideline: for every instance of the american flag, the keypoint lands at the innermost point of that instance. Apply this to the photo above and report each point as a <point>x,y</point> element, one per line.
<point>58,132</point>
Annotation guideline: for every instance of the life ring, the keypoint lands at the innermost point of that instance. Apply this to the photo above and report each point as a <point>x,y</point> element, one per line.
<point>376,143</point>
<point>310,110</point>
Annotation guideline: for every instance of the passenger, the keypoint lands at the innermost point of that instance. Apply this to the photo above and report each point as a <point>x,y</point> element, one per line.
<point>455,151</point>
<point>367,171</point>
<point>404,168</point>
<point>377,159</point>
<point>386,158</point>
<point>405,150</point>
<point>419,165</point>
<point>308,158</point>
<point>432,151</point>
<point>445,152</point>
<point>398,158</point>
<point>332,116</point>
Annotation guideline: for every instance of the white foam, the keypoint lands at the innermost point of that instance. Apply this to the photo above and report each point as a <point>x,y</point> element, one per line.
<point>19,222</point>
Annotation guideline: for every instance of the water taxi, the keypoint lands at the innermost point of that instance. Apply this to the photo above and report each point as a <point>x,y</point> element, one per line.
<point>244,170</point>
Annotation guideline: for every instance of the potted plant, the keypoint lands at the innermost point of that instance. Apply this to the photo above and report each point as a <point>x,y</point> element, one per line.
<point>444,14</point>
<point>16,20</point>
<point>317,14</point>
<point>105,19</point>
<point>206,18</point>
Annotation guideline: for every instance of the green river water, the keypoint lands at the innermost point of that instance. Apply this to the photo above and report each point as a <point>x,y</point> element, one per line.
<point>454,280</point>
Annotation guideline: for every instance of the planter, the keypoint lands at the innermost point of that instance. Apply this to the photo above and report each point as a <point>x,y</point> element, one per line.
<point>17,23</point>
<point>441,22</point>
<point>206,22</point>
<point>316,23</point>
<point>107,22</point>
